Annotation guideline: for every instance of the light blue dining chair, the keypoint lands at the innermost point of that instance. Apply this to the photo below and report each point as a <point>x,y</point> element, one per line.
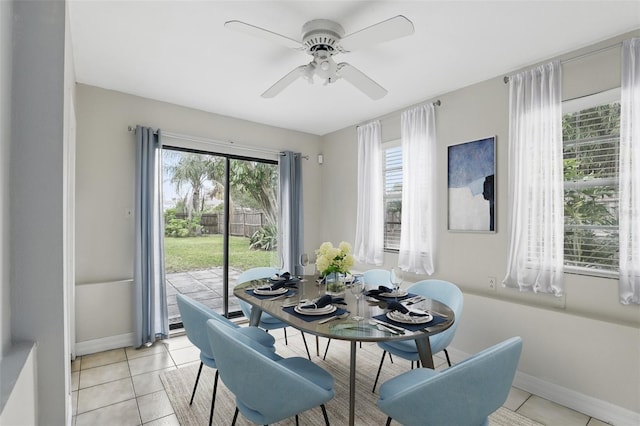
<point>376,277</point>
<point>267,388</point>
<point>444,292</point>
<point>462,395</point>
<point>267,322</point>
<point>194,319</point>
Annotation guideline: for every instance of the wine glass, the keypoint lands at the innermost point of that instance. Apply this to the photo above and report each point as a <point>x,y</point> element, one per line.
<point>304,262</point>
<point>357,288</point>
<point>396,280</point>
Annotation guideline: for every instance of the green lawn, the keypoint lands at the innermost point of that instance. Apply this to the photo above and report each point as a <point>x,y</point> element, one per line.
<point>197,253</point>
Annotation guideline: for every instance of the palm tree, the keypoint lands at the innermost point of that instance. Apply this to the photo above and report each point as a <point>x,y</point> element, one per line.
<point>191,169</point>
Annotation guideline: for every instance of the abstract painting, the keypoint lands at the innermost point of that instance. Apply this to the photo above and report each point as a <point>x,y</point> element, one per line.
<point>471,186</point>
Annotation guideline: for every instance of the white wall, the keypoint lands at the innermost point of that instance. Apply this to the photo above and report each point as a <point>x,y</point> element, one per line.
<point>567,338</point>
<point>105,187</point>
<point>37,198</point>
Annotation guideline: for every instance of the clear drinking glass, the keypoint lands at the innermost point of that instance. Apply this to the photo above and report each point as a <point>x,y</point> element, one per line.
<point>396,280</point>
<point>304,262</point>
<point>357,288</point>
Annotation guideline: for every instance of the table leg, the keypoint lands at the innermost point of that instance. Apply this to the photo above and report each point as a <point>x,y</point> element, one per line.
<point>317,346</point>
<point>254,318</point>
<point>424,352</point>
<point>352,384</point>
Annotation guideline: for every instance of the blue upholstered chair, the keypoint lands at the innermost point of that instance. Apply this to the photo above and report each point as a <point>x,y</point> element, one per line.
<point>267,388</point>
<point>194,319</point>
<point>267,322</point>
<point>462,395</point>
<point>444,292</point>
<point>375,277</point>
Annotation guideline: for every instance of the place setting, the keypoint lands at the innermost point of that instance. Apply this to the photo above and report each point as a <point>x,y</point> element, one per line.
<point>275,287</point>
<point>321,308</point>
<point>410,318</point>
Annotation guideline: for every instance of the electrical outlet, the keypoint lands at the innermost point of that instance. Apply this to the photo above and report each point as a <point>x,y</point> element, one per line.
<point>492,283</point>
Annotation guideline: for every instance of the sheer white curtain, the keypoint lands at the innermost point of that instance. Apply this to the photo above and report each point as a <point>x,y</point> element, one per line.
<point>368,247</point>
<point>417,239</point>
<point>536,210</point>
<point>630,173</point>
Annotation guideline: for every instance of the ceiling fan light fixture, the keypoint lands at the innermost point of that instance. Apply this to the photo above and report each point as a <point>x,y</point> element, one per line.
<point>322,39</point>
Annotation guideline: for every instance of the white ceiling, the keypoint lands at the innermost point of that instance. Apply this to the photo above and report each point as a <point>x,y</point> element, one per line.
<point>180,52</point>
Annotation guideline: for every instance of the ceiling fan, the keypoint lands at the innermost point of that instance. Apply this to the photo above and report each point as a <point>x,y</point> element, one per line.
<point>322,39</point>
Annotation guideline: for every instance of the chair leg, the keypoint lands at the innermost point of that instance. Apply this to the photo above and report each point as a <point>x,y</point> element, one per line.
<point>326,349</point>
<point>388,421</point>
<point>447,355</point>
<point>390,358</point>
<point>196,385</point>
<point>235,417</point>
<point>305,346</point>
<point>324,413</point>
<point>213,397</point>
<point>285,336</point>
<point>379,369</point>
<point>297,424</point>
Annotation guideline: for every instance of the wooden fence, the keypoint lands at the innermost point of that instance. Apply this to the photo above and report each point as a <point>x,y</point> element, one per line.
<point>242,224</point>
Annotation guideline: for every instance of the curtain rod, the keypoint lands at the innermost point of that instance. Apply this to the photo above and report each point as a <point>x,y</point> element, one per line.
<point>575,58</point>
<point>217,142</point>
<point>435,103</point>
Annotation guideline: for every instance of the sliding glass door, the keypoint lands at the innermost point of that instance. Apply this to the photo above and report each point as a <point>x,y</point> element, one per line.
<point>221,218</point>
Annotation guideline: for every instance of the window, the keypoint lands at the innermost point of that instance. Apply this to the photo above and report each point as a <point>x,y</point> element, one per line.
<point>591,139</point>
<point>392,172</point>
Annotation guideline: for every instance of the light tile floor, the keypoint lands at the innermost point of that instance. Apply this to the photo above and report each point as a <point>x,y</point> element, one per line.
<point>123,387</point>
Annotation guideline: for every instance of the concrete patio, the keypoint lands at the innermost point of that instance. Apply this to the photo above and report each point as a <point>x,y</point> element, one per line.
<point>204,286</point>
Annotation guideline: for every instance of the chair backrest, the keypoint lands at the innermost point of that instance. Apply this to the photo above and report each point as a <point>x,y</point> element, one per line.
<point>447,293</point>
<point>464,394</point>
<point>265,386</point>
<point>375,277</point>
<point>194,319</point>
<point>253,274</point>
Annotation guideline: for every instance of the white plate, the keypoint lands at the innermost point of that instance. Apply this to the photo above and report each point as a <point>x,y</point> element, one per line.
<point>408,319</point>
<point>400,293</point>
<point>327,308</point>
<point>264,292</point>
<point>323,311</point>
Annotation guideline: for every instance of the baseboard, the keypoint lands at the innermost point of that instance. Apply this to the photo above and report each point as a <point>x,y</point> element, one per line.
<point>597,408</point>
<point>98,345</point>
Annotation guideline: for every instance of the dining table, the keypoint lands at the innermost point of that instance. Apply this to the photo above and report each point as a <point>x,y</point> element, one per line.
<point>377,326</point>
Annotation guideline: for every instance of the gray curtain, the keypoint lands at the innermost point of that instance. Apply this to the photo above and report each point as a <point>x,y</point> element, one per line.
<point>291,241</point>
<point>150,301</point>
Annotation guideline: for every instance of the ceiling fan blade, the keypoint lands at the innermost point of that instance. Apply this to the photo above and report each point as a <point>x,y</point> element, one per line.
<point>243,27</point>
<point>285,81</point>
<point>361,81</point>
<point>392,28</point>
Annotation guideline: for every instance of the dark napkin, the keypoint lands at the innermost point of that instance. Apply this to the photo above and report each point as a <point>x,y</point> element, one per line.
<point>397,306</point>
<point>411,327</point>
<point>289,293</point>
<point>309,318</point>
<point>319,303</point>
<point>379,290</point>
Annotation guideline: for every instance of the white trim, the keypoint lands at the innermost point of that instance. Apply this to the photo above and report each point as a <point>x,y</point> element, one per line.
<point>104,344</point>
<point>601,410</point>
<point>597,408</point>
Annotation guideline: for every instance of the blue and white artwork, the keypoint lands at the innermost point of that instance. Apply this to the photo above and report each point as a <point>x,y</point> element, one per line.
<point>471,186</point>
